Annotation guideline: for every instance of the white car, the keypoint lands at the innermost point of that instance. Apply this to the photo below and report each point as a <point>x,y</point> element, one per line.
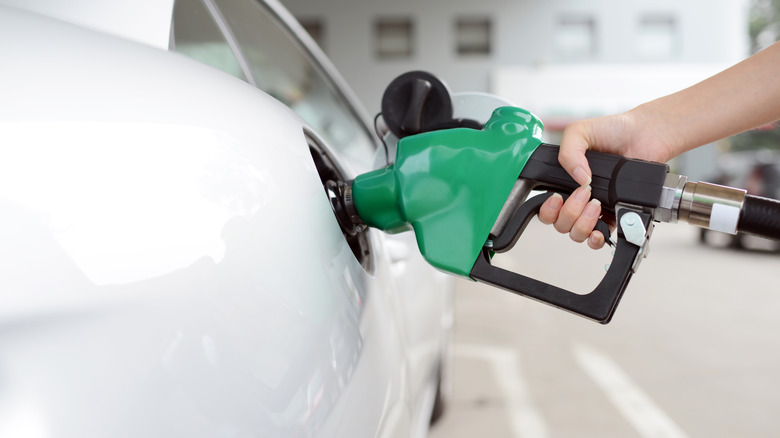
<point>170,262</point>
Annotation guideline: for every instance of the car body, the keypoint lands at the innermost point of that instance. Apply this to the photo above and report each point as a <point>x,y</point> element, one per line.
<point>171,262</point>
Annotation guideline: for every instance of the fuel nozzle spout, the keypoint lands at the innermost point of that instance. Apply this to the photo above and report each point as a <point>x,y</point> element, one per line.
<point>340,194</point>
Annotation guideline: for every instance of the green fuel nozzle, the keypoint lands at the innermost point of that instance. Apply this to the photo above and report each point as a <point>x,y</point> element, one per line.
<point>462,187</point>
<point>450,186</point>
<point>463,190</point>
<point>454,186</point>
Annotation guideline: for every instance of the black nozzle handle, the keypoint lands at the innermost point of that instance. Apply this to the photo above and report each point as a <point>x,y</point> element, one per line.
<point>760,216</point>
<point>616,178</point>
<point>598,305</point>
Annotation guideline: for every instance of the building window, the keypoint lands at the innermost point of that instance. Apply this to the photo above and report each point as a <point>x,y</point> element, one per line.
<point>575,37</point>
<point>472,36</point>
<point>316,30</point>
<point>394,38</point>
<point>657,36</point>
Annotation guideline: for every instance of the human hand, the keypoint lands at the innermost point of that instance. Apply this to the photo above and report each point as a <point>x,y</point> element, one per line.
<point>630,134</point>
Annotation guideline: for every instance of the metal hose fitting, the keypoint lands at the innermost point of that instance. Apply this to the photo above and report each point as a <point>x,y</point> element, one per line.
<point>671,196</point>
<point>711,206</point>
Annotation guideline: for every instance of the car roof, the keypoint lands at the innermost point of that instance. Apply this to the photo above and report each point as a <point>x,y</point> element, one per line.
<point>144,21</point>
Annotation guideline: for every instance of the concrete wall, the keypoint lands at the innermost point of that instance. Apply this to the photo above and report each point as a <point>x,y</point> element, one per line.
<point>524,34</point>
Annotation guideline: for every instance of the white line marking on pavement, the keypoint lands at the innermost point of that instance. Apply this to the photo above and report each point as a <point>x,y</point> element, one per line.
<point>525,420</point>
<point>647,418</point>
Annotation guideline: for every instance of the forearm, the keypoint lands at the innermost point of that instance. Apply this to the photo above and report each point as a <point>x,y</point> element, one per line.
<point>740,98</point>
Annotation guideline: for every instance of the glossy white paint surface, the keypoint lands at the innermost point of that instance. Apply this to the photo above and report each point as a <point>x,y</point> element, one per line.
<point>171,266</point>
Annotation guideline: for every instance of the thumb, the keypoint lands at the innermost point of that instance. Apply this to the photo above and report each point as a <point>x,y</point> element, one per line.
<point>574,143</point>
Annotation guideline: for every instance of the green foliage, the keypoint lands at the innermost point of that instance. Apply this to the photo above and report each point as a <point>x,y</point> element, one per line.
<point>764,25</point>
<point>764,29</point>
<point>757,139</point>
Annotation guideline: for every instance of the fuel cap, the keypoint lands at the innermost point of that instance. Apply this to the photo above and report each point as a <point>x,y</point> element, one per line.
<point>416,102</point>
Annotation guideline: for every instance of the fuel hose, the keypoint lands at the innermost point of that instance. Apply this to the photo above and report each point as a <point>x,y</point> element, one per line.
<point>760,216</point>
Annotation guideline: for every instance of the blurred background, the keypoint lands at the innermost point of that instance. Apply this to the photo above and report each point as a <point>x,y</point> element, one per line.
<point>694,349</point>
<point>563,60</point>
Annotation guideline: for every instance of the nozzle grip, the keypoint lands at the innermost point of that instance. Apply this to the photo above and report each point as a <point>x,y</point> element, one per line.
<point>616,179</point>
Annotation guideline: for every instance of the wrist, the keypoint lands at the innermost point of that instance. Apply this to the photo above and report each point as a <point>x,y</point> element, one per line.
<point>660,134</point>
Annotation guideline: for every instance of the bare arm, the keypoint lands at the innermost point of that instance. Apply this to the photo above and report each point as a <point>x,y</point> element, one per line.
<point>739,98</point>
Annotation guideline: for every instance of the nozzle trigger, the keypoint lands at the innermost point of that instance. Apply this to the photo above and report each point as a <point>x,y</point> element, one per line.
<point>598,305</point>
<point>527,210</point>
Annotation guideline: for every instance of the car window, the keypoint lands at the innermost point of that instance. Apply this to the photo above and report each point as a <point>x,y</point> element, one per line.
<point>196,35</point>
<point>282,68</point>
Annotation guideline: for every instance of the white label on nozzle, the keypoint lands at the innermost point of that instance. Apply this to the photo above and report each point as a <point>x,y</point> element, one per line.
<point>724,218</point>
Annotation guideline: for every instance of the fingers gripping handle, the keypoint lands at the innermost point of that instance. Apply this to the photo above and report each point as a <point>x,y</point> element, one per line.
<point>517,223</point>
<point>599,305</point>
<point>616,179</point>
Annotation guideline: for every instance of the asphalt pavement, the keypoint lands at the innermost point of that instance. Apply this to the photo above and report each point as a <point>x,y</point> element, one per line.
<point>693,349</point>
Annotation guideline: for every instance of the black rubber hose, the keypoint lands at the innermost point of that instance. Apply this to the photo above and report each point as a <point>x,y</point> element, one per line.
<point>761,217</point>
